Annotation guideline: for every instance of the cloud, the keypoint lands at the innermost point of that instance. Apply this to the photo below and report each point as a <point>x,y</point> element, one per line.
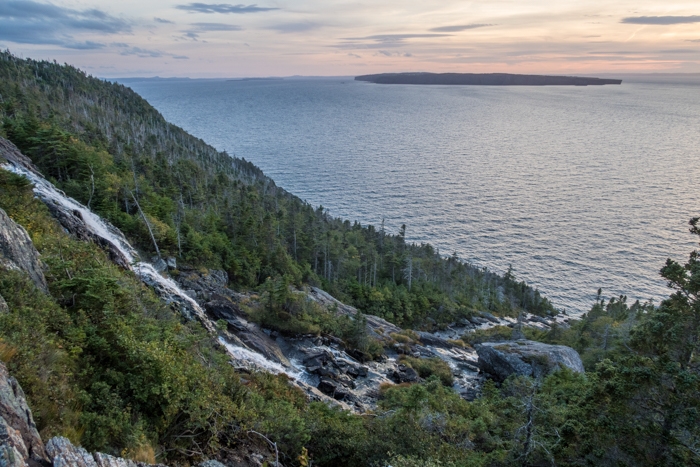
<point>29,22</point>
<point>295,27</point>
<point>206,27</point>
<point>395,37</point>
<point>354,55</point>
<point>224,8</point>
<point>459,28</point>
<point>692,40</point>
<point>126,50</point>
<point>661,20</point>
<point>86,45</point>
<point>162,21</point>
<point>382,41</point>
<point>388,53</point>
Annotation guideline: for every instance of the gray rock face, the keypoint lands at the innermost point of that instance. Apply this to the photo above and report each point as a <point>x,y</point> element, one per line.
<point>248,333</point>
<point>17,251</point>
<point>3,305</point>
<point>526,358</point>
<point>205,285</point>
<point>63,454</point>
<point>19,439</point>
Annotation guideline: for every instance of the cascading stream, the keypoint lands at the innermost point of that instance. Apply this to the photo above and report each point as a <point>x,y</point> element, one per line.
<point>168,290</point>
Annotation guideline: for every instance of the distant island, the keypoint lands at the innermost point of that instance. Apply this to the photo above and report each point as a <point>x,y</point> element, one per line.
<point>484,79</point>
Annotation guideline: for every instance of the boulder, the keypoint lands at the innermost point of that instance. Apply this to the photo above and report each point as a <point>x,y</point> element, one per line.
<point>18,433</point>
<point>171,262</point>
<point>404,374</point>
<point>17,251</point>
<point>159,264</point>
<point>526,358</point>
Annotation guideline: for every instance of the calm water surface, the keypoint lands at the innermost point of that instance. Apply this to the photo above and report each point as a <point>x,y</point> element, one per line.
<point>576,187</point>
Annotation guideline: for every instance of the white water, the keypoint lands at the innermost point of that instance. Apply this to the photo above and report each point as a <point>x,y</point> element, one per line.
<point>256,360</point>
<point>167,288</point>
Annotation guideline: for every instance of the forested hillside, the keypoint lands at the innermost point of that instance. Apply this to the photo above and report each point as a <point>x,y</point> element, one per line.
<point>173,194</point>
<point>105,362</point>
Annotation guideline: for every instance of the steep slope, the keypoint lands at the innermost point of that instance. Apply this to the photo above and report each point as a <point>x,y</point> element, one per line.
<point>172,194</point>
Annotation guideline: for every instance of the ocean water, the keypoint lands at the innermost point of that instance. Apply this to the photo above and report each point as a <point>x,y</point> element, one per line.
<point>576,187</point>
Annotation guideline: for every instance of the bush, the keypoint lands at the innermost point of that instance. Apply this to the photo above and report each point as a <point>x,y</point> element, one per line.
<point>427,367</point>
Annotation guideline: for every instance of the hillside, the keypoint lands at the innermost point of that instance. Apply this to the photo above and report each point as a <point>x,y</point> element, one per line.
<point>111,361</point>
<point>174,195</point>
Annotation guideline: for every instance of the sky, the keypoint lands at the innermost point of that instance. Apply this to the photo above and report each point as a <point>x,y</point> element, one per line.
<point>180,38</point>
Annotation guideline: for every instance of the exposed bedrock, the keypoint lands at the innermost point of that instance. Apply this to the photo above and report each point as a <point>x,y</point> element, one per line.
<point>525,358</point>
<point>17,252</point>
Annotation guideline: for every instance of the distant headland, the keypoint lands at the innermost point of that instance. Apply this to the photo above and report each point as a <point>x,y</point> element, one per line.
<point>484,79</point>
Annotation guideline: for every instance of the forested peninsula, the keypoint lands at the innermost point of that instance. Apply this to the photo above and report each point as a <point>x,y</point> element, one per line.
<point>162,302</point>
<point>484,79</point>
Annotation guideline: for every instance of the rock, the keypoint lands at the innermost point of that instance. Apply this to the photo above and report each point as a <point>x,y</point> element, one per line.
<point>404,374</point>
<point>248,333</point>
<point>526,358</point>
<point>327,386</point>
<point>105,460</point>
<point>208,285</point>
<point>427,338</point>
<point>171,262</point>
<point>3,305</point>
<point>489,317</point>
<point>13,451</point>
<point>159,264</point>
<point>18,422</point>
<point>211,463</point>
<point>223,308</point>
<point>63,454</point>
<point>476,321</point>
<point>17,251</point>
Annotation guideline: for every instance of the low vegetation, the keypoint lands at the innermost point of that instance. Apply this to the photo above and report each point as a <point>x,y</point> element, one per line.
<point>104,362</point>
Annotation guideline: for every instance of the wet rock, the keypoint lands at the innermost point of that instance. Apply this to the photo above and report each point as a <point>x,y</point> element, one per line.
<point>20,433</point>
<point>159,264</point>
<point>327,386</point>
<point>17,251</point>
<point>404,374</point>
<point>171,262</point>
<point>223,308</point>
<point>427,338</point>
<point>254,338</point>
<point>526,358</point>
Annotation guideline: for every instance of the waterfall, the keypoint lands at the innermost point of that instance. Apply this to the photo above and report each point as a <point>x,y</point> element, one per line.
<point>166,288</point>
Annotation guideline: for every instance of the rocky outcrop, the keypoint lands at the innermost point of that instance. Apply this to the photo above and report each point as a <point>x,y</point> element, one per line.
<point>62,453</point>
<point>3,305</point>
<point>525,358</point>
<point>20,443</point>
<point>204,285</point>
<point>17,251</point>
<point>249,333</point>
